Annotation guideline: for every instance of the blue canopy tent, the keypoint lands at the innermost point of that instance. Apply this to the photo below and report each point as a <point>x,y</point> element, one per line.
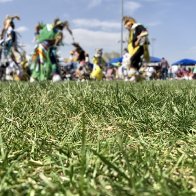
<point>185,62</point>
<point>118,60</point>
<point>155,59</point>
<point>115,61</point>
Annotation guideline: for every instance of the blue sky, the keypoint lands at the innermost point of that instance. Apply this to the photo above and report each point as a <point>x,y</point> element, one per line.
<point>97,23</point>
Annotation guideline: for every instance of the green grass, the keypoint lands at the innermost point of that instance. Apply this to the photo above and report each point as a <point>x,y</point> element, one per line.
<point>98,138</point>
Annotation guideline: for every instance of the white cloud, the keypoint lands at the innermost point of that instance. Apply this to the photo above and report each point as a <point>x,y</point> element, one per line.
<point>5,1</point>
<point>22,29</point>
<point>90,40</point>
<point>94,23</point>
<point>131,6</point>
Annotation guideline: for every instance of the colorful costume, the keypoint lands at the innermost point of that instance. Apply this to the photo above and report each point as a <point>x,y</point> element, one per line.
<point>44,60</point>
<point>98,64</point>
<point>83,70</point>
<point>10,54</point>
<point>137,43</point>
<point>8,38</point>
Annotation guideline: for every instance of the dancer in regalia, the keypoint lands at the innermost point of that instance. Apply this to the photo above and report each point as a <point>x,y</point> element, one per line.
<point>44,60</point>
<point>137,45</point>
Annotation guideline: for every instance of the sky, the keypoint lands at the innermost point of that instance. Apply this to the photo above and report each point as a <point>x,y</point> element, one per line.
<point>97,23</point>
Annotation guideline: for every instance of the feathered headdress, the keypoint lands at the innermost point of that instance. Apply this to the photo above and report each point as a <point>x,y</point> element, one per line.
<point>63,24</point>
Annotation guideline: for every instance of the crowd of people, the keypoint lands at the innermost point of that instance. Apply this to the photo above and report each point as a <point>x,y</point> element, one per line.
<point>44,63</point>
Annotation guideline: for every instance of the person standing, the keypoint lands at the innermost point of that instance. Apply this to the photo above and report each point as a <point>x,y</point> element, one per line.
<point>98,65</point>
<point>164,68</point>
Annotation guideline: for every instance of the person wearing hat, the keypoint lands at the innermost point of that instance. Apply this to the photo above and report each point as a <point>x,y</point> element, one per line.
<point>137,45</point>
<point>44,60</point>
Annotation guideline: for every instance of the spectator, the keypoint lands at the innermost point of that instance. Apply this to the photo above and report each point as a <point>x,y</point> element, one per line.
<point>174,69</point>
<point>164,68</point>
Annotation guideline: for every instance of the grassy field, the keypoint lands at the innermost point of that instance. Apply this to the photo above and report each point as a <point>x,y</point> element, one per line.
<point>98,138</point>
